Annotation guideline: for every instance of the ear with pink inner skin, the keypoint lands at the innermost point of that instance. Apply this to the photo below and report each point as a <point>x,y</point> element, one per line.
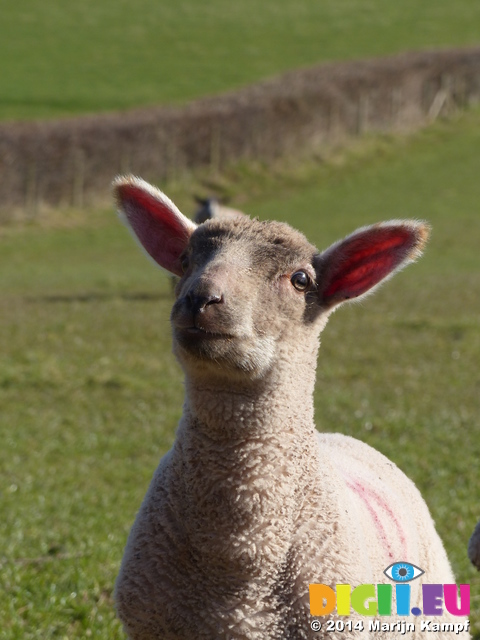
<point>356,265</point>
<point>162,231</point>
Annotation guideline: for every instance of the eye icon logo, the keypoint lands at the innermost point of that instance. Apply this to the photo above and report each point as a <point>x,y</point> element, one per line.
<point>403,572</point>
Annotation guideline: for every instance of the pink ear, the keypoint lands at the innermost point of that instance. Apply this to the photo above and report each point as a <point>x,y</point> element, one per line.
<point>154,220</point>
<point>354,266</point>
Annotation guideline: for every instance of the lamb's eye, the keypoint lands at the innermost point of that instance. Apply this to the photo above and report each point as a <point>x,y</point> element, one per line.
<point>300,280</point>
<point>184,261</point>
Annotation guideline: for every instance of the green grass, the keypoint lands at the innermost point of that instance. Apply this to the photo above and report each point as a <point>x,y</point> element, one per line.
<point>90,393</point>
<point>60,58</point>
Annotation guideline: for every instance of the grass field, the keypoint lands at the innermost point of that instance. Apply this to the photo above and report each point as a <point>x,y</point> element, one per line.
<point>61,58</point>
<point>90,393</point>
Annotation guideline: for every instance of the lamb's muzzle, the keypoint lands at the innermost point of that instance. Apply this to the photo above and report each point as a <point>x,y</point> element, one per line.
<point>251,504</point>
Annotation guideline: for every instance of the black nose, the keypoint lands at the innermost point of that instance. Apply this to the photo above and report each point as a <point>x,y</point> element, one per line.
<point>197,303</point>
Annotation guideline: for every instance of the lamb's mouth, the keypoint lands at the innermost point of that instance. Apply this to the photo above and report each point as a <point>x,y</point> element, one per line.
<point>205,332</point>
<point>203,344</point>
<point>190,333</point>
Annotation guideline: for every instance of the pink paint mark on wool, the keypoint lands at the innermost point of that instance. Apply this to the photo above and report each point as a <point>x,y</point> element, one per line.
<point>375,504</point>
<point>383,504</point>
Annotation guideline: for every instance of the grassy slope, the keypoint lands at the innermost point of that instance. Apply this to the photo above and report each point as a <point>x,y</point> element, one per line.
<point>90,393</point>
<point>70,57</point>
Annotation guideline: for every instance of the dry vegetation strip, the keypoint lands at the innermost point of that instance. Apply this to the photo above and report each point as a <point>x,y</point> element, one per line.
<point>72,161</point>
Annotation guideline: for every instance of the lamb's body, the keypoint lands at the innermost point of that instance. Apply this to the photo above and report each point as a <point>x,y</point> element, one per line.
<point>238,568</point>
<point>252,505</point>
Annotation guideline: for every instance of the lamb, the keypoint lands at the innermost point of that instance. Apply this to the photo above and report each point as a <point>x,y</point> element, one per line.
<point>252,505</point>
<point>474,547</point>
<point>212,208</point>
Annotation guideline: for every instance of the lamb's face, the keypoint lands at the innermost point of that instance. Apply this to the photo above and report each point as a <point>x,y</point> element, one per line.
<point>255,295</point>
<point>247,292</point>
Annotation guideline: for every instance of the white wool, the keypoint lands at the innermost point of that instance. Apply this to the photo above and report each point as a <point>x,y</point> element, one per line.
<point>252,505</point>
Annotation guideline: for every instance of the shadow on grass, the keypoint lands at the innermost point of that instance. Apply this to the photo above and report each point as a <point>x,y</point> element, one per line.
<point>99,297</point>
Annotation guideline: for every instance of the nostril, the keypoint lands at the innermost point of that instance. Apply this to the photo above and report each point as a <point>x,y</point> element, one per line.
<point>199,302</point>
<point>214,299</point>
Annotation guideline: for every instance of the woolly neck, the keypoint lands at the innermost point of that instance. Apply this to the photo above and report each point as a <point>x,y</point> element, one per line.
<point>224,409</point>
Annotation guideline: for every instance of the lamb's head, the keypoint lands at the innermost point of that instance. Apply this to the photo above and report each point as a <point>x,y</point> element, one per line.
<point>255,295</point>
